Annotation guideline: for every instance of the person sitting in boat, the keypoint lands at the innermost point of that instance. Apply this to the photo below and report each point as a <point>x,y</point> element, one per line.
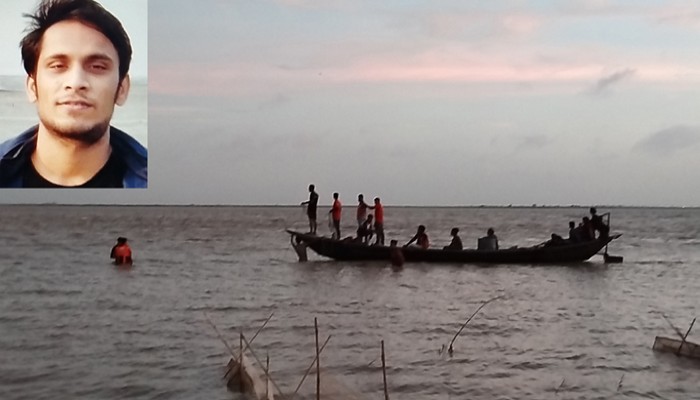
<point>421,238</point>
<point>456,243</point>
<point>598,224</point>
<point>555,240</point>
<point>574,232</point>
<point>488,242</point>
<point>587,232</point>
<point>121,252</point>
<point>364,231</point>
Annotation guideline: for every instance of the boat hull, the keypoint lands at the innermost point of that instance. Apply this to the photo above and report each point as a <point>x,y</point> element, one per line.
<point>669,345</point>
<point>351,251</point>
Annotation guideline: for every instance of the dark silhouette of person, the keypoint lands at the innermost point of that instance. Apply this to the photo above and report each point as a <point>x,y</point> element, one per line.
<point>587,232</point>
<point>598,224</point>
<point>421,238</point>
<point>364,231</point>
<point>456,243</point>
<point>311,205</point>
<point>574,232</point>
<point>488,242</point>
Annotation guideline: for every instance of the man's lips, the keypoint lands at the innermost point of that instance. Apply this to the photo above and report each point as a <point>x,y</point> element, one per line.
<point>75,104</point>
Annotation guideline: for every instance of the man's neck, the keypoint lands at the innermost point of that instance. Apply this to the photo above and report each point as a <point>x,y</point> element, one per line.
<point>68,162</point>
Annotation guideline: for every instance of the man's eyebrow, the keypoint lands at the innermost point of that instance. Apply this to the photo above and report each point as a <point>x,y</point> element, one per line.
<point>99,57</point>
<point>91,57</point>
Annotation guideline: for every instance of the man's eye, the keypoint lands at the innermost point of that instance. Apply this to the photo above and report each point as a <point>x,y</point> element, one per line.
<point>56,66</point>
<point>99,67</point>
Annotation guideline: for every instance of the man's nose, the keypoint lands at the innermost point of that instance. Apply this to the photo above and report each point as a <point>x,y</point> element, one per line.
<point>76,78</point>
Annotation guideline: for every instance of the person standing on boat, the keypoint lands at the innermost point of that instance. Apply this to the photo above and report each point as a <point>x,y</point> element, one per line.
<point>456,243</point>
<point>598,224</point>
<point>361,209</point>
<point>335,213</point>
<point>378,221</point>
<point>311,208</point>
<point>421,238</point>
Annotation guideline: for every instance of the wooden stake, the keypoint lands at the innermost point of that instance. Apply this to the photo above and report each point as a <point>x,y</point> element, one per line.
<point>240,361</point>
<point>318,363</point>
<point>386,391</point>
<point>267,380</point>
<point>309,369</point>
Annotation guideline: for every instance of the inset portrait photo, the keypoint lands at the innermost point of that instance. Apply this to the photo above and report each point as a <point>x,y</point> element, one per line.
<point>73,94</point>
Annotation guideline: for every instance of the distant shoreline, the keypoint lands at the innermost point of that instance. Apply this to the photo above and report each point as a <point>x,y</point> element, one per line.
<point>386,205</point>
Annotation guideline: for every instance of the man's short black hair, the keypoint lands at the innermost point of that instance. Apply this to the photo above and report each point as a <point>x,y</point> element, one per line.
<point>88,12</point>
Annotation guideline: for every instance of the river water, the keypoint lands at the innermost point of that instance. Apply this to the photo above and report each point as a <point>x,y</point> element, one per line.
<point>73,326</point>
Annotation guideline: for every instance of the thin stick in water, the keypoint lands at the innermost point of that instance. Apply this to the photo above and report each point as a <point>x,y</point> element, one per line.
<point>386,390</point>
<point>318,363</point>
<point>267,374</point>
<point>560,386</point>
<point>310,366</point>
<point>678,352</point>
<point>469,319</point>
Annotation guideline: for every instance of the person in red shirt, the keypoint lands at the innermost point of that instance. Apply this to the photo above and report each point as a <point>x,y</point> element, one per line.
<point>378,221</point>
<point>335,215</point>
<point>121,252</point>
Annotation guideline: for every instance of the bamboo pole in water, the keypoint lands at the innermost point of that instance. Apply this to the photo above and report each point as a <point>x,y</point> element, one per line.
<point>386,390</point>
<point>309,369</point>
<point>318,363</point>
<point>267,374</point>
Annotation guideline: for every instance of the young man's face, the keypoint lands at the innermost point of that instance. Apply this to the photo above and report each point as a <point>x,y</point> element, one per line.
<point>76,83</point>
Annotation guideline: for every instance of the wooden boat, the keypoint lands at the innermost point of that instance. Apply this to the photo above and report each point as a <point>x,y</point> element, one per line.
<point>246,377</point>
<point>677,346</point>
<point>348,250</point>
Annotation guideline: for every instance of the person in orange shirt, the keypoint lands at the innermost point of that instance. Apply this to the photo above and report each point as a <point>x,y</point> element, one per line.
<point>335,214</point>
<point>121,252</point>
<point>378,221</point>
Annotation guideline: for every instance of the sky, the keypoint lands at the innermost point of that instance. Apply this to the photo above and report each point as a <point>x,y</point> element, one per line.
<point>419,102</point>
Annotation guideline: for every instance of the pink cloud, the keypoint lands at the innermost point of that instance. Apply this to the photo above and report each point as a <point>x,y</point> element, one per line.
<point>250,79</point>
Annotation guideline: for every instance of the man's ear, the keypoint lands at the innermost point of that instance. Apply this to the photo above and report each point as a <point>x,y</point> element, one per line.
<point>30,87</point>
<point>123,91</point>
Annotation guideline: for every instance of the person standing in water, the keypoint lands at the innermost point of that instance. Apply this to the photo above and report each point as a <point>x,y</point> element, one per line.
<point>121,252</point>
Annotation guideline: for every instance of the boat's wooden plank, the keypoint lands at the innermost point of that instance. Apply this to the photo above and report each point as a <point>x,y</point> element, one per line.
<point>249,379</point>
<point>669,345</point>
